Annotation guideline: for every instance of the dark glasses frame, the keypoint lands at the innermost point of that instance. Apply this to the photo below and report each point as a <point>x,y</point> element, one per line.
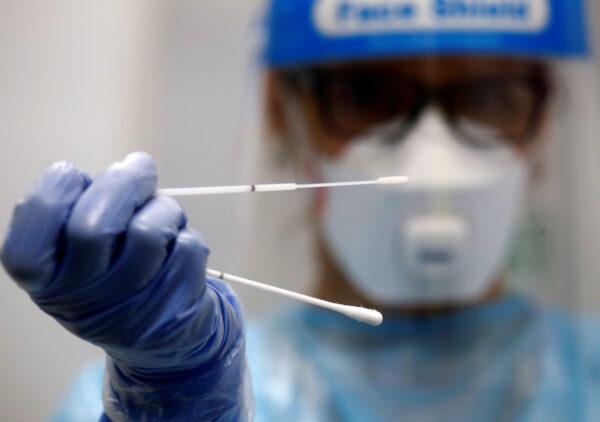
<point>317,82</point>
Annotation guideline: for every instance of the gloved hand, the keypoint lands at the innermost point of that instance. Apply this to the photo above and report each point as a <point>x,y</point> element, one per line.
<point>116,265</point>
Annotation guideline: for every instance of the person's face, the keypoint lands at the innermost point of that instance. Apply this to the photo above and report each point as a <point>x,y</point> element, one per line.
<point>506,97</point>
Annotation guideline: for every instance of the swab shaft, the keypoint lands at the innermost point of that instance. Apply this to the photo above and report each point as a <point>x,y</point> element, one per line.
<point>216,190</point>
<point>368,316</point>
<point>273,289</point>
<point>338,184</point>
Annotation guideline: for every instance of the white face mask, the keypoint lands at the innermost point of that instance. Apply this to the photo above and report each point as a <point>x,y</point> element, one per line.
<point>443,237</point>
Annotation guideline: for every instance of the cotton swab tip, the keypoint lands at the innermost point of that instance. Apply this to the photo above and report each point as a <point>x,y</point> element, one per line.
<point>393,180</point>
<point>368,316</point>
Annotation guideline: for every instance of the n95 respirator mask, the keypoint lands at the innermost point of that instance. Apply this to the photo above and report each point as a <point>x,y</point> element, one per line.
<point>443,237</point>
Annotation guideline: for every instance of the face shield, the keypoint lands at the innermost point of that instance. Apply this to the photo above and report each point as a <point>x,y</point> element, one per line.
<point>489,107</point>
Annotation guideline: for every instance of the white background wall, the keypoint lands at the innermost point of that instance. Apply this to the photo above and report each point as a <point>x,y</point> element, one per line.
<point>72,86</point>
<point>90,81</point>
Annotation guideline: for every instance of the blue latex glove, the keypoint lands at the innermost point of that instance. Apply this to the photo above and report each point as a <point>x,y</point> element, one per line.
<point>116,265</point>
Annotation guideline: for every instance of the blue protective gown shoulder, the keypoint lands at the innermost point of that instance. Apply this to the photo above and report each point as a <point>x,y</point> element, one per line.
<point>511,359</point>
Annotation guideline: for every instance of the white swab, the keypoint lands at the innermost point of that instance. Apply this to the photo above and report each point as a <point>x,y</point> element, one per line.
<point>215,190</point>
<point>368,316</point>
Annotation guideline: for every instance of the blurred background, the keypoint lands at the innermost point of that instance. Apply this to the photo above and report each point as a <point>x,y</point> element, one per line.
<point>90,81</point>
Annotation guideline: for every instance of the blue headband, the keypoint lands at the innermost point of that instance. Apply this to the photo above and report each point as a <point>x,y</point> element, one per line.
<point>304,32</point>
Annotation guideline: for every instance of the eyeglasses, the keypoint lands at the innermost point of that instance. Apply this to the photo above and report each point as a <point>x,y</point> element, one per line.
<point>351,101</point>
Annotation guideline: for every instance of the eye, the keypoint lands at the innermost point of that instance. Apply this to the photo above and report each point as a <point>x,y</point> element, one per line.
<point>360,101</point>
<point>504,108</point>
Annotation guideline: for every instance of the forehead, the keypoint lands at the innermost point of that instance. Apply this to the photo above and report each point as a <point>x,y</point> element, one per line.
<point>439,70</point>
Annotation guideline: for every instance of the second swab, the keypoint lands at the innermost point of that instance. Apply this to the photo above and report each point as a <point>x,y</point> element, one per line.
<point>277,187</point>
<point>368,316</point>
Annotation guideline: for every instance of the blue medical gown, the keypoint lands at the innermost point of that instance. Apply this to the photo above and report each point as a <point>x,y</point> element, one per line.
<point>507,360</point>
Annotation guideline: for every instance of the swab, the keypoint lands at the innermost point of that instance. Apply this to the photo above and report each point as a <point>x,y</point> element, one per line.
<point>279,187</point>
<point>368,316</point>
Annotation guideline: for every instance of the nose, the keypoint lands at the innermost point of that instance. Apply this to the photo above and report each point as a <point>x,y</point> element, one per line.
<point>435,158</point>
